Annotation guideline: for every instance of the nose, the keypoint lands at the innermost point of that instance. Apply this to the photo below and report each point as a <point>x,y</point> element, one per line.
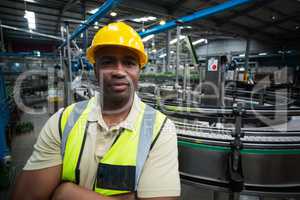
<point>119,70</point>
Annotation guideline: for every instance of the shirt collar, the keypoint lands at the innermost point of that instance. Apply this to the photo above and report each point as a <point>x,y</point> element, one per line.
<point>128,123</point>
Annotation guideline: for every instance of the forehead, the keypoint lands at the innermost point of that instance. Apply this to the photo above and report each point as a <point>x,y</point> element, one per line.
<point>114,51</point>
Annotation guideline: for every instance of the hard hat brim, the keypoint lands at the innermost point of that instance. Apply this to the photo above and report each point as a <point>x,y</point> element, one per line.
<point>90,54</point>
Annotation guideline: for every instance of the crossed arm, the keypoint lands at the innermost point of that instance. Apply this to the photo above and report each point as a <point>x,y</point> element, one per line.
<point>45,185</point>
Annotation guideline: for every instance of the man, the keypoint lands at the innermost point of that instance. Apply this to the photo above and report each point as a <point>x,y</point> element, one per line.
<point>111,147</point>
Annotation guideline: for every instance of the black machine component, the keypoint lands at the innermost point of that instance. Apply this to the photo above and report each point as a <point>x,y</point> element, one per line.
<point>236,178</point>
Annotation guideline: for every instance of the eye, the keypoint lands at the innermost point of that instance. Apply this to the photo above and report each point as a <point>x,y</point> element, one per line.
<point>130,63</point>
<point>106,62</point>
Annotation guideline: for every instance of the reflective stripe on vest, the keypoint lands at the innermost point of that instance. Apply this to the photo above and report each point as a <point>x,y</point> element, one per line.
<point>127,156</point>
<point>73,125</point>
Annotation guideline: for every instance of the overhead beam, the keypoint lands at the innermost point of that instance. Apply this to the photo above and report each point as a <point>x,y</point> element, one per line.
<point>279,21</point>
<point>30,32</point>
<point>20,13</point>
<point>38,9</point>
<point>195,16</point>
<point>139,6</point>
<point>103,9</point>
<point>177,4</point>
<point>24,36</point>
<point>46,29</point>
<point>45,3</point>
<point>22,20</point>
<point>245,12</point>
<point>236,14</point>
<point>282,14</point>
<point>67,6</point>
<point>221,22</point>
<point>250,31</point>
<point>266,23</point>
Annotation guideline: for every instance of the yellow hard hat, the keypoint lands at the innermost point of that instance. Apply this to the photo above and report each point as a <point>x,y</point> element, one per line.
<point>118,34</point>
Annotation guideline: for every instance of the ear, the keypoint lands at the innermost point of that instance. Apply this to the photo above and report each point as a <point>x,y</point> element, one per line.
<point>139,72</point>
<point>96,72</point>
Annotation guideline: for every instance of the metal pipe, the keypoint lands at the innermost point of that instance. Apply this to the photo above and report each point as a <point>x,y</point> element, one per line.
<point>69,52</point>
<point>85,33</point>
<point>185,82</point>
<point>68,70</point>
<point>31,32</point>
<point>168,50</point>
<point>109,4</point>
<point>61,53</point>
<point>195,16</point>
<point>2,38</point>
<point>247,54</point>
<point>178,32</point>
<point>60,59</point>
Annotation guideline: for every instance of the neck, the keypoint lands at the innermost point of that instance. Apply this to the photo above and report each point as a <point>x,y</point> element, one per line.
<point>113,112</point>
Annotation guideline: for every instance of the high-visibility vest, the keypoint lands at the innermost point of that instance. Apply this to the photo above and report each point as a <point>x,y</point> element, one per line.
<point>120,168</point>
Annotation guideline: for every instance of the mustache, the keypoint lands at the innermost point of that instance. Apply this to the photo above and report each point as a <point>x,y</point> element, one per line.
<point>119,82</point>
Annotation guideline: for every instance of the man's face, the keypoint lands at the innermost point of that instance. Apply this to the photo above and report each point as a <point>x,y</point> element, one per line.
<point>117,70</point>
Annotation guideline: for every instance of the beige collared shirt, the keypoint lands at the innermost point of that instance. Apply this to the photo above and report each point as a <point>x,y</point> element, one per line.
<point>160,176</point>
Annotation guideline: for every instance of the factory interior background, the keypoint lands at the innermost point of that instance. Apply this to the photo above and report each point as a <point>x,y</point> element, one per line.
<point>227,72</point>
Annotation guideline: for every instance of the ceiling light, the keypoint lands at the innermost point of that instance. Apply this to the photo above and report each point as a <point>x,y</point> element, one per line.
<point>273,17</point>
<point>172,52</point>
<point>175,40</point>
<point>96,23</point>
<point>93,11</point>
<point>297,27</point>
<point>30,1</point>
<point>202,40</point>
<point>185,27</point>
<point>154,51</point>
<point>81,35</point>
<point>242,69</point>
<point>163,55</point>
<point>162,22</point>
<point>145,39</point>
<point>96,27</point>
<point>30,16</point>
<point>144,19</point>
<point>262,54</point>
<point>242,55</point>
<point>113,14</point>
<point>151,18</point>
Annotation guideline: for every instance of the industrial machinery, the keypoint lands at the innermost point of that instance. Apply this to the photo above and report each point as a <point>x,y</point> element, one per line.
<point>240,142</point>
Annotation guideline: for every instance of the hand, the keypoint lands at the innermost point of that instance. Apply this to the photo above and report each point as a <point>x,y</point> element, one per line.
<point>62,190</point>
<point>129,196</point>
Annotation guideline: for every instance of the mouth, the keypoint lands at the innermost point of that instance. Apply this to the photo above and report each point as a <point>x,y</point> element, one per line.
<point>119,86</point>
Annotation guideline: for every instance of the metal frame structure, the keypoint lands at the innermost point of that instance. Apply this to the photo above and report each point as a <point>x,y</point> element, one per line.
<point>195,16</point>
<point>108,5</point>
<point>31,32</point>
<point>66,45</point>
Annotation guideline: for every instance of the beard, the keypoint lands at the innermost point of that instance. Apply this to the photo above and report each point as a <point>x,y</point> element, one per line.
<point>116,99</point>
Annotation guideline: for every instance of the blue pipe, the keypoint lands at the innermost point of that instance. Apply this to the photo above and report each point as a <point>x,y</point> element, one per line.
<point>195,16</point>
<point>23,54</point>
<point>108,5</point>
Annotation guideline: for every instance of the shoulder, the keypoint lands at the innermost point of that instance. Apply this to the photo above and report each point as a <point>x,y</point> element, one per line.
<point>160,177</point>
<point>46,151</point>
<point>167,135</point>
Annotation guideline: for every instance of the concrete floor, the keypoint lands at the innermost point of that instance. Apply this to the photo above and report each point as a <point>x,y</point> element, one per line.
<point>22,146</point>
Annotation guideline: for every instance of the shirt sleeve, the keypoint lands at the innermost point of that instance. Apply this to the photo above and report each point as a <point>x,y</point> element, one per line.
<point>46,151</point>
<point>160,176</point>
